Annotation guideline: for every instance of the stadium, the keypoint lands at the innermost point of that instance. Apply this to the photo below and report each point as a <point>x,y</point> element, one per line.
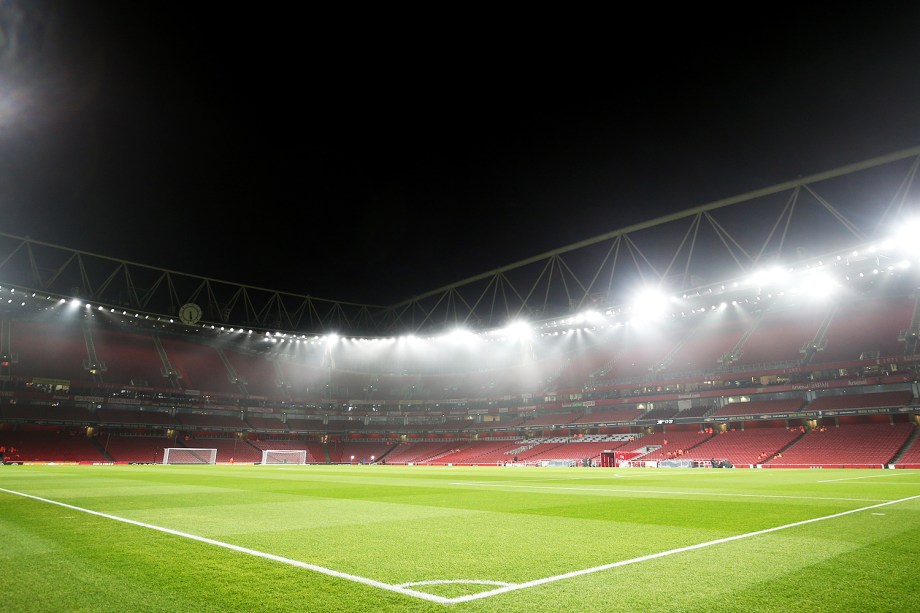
<point>580,399</point>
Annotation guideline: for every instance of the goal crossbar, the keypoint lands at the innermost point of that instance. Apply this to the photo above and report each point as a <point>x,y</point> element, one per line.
<point>284,456</point>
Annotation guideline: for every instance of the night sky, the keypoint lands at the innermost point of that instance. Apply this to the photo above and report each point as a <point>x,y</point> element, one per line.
<point>370,157</point>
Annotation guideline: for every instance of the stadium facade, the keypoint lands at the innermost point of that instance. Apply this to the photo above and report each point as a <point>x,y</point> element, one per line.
<point>770,320</point>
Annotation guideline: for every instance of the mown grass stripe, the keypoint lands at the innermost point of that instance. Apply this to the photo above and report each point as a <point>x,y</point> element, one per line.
<point>665,492</point>
<point>670,552</point>
<point>246,550</point>
<point>443,600</point>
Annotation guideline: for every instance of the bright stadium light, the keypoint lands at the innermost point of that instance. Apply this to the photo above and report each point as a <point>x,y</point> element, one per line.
<point>904,235</point>
<point>589,316</point>
<point>769,276</point>
<point>817,285</point>
<point>649,303</point>
<point>516,330</point>
<point>460,335</point>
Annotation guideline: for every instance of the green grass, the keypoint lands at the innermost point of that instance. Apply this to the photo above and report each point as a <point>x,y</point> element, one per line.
<point>535,530</point>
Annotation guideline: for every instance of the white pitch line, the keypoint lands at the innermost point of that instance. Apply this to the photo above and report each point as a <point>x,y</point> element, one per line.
<point>586,571</point>
<point>252,552</point>
<point>895,474</point>
<point>629,491</point>
<point>440,599</point>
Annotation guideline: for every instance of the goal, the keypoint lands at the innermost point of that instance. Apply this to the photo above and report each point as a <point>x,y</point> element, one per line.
<point>189,455</point>
<point>284,456</point>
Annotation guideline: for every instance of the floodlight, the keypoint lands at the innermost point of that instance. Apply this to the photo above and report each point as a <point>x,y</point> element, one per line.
<point>517,329</point>
<point>648,302</point>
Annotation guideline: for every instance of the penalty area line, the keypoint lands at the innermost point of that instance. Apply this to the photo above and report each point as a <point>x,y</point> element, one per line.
<point>400,589</point>
<point>259,554</point>
<point>662,554</point>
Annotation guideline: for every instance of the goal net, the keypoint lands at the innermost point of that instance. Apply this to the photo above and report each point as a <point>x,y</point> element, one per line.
<point>284,456</point>
<point>189,455</point>
<point>558,463</point>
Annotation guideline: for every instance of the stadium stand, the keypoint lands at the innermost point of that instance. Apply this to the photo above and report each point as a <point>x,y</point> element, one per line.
<point>133,417</point>
<point>713,338</point>
<point>760,407</point>
<point>778,336</point>
<point>129,359</point>
<point>897,398</point>
<point>135,449</point>
<point>859,445</point>
<point>746,447</point>
<point>201,367</point>
<point>122,395</point>
<point>664,445</point>
<point>266,423</point>
<point>866,327</point>
<point>50,350</point>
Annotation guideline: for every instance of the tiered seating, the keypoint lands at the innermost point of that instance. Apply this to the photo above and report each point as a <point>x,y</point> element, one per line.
<point>745,447</point>
<point>911,456</point>
<point>609,416</point>
<point>51,446</point>
<point>366,452</point>
<point>130,358</point>
<point>265,422</point>
<point>569,449</point>
<point>671,443</point>
<point>303,424</point>
<point>303,381</point>
<point>758,407</point>
<point>638,349</point>
<point>350,384</point>
<point>344,425</point>
<point>335,450</point>
<point>862,445</point>
<point>77,415</point>
<point>49,350</point>
<point>314,449</point>
<point>861,401</point>
<point>136,449</point>
<point>551,419</point>
<point>508,422</point>
<point>260,374</point>
<point>579,367</point>
<point>868,325</point>
<point>715,335</point>
<point>457,424</point>
<point>134,417</point>
<point>228,449</point>
<point>200,366</point>
<point>480,452</point>
<point>209,420</point>
<point>515,380</point>
<point>660,413</point>
<point>781,334</point>
<point>697,411</point>
<point>446,386</point>
<point>541,450</point>
<point>417,453</point>
<point>317,451</point>
<point>391,386</point>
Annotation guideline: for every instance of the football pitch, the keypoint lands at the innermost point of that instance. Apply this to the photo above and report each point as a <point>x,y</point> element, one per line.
<point>418,538</point>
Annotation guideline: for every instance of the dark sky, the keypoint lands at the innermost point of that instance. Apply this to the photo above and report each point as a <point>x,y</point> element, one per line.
<point>370,157</point>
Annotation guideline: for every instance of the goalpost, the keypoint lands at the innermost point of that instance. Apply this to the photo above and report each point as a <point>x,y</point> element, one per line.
<point>284,456</point>
<point>189,455</point>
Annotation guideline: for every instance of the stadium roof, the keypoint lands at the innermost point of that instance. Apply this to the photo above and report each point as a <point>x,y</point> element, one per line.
<point>825,220</point>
